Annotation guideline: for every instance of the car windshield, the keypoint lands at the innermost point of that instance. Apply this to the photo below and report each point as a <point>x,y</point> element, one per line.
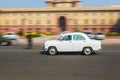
<point>60,38</point>
<point>65,38</point>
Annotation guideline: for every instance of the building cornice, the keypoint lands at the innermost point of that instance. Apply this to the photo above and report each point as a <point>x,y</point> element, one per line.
<point>60,9</point>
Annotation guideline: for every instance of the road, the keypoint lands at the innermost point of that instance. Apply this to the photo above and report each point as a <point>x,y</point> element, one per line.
<point>18,63</point>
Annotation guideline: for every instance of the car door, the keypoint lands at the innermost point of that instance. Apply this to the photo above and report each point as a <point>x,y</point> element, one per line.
<point>66,43</point>
<point>79,42</point>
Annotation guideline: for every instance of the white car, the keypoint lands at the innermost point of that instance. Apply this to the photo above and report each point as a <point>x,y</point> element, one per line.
<point>90,35</point>
<point>11,35</point>
<point>72,42</point>
<point>100,36</point>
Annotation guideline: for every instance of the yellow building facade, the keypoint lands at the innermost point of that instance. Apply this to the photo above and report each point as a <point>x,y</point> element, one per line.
<point>61,15</point>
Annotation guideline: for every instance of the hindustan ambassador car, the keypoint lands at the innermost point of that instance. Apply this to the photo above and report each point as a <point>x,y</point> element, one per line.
<point>72,42</point>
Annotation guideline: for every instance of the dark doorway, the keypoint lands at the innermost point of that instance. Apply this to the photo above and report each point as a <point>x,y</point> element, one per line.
<point>62,23</point>
<point>116,27</point>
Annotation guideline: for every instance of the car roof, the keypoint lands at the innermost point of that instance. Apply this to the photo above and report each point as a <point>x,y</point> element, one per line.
<point>72,33</point>
<point>10,32</point>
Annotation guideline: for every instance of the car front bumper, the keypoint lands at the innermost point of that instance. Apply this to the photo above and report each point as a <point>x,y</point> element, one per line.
<point>43,48</point>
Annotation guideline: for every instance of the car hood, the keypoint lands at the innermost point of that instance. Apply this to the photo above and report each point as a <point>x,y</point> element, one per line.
<point>51,41</point>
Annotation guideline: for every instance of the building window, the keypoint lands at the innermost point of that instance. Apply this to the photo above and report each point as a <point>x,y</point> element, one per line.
<point>38,29</point>
<point>30,14</point>
<point>29,28</point>
<point>102,13</point>
<point>94,30</point>
<point>6,29</point>
<point>94,21</point>
<point>7,15</point>
<point>75,21</point>
<point>14,21</point>
<point>86,13</point>
<point>102,21</point>
<point>75,29</point>
<point>48,29</point>
<point>54,5</point>
<point>14,14</point>
<point>22,14</point>
<point>7,22</point>
<point>48,21</point>
<point>86,29</point>
<point>86,21</point>
<point>102,29</point>
<point>48,14</point>
<point>30,21</point>
<point>21,29</point>
<point>94,13</point>
<point>111,21</point>
<point>119,14</point>
<point>75,14</point>
<point>38,22</point>
<point>110,13</point>
<point>38,14</point>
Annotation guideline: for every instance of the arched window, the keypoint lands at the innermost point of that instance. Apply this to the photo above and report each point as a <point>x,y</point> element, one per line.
<point>62,23</point>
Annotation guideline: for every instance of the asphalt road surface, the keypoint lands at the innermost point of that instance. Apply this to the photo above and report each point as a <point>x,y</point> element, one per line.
<point>18,63</point>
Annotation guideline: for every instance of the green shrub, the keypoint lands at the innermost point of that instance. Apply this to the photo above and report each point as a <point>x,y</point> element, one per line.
<point>4,40</point>
<point>113,34</point>
<point>20,33</point>
<point>77,30</point>
<point>34,34</point>
<point>48,33</point>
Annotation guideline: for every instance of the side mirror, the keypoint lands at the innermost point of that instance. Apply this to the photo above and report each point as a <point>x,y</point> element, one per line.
<point>60,40</point>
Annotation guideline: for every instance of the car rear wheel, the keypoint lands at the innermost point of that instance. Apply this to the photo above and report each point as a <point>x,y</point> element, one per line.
<point>87,51</point>
<point>7,43</point>
<point>52,51</point>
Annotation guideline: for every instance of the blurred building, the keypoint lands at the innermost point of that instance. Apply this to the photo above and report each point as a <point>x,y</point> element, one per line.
<point>61,15</point>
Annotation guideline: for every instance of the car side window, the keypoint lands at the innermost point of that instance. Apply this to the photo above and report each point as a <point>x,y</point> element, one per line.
<point>67,38</point>
<point>78,37</point>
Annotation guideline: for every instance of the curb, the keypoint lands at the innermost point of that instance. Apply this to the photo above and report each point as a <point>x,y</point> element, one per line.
<point>24,43</point>
<point>103,43</point>
<point>41,43</point>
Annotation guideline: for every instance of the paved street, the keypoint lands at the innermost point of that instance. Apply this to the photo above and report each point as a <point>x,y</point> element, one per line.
<point>18,63</point>
<point>42,39</point>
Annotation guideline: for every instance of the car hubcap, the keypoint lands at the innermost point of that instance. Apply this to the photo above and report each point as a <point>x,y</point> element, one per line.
<point>87,51</point>
<point>52,51</point>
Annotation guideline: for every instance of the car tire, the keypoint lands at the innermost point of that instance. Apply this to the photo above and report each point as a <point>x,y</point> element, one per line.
<point>87,51</point>
<point>52,51</point>
<point>5,43</point>
<point>9,43</point>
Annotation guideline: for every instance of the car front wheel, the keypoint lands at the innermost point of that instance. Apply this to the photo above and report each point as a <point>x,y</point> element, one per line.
<point>52,51</point>
<point>87,51</point>
<point>7,43</point>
